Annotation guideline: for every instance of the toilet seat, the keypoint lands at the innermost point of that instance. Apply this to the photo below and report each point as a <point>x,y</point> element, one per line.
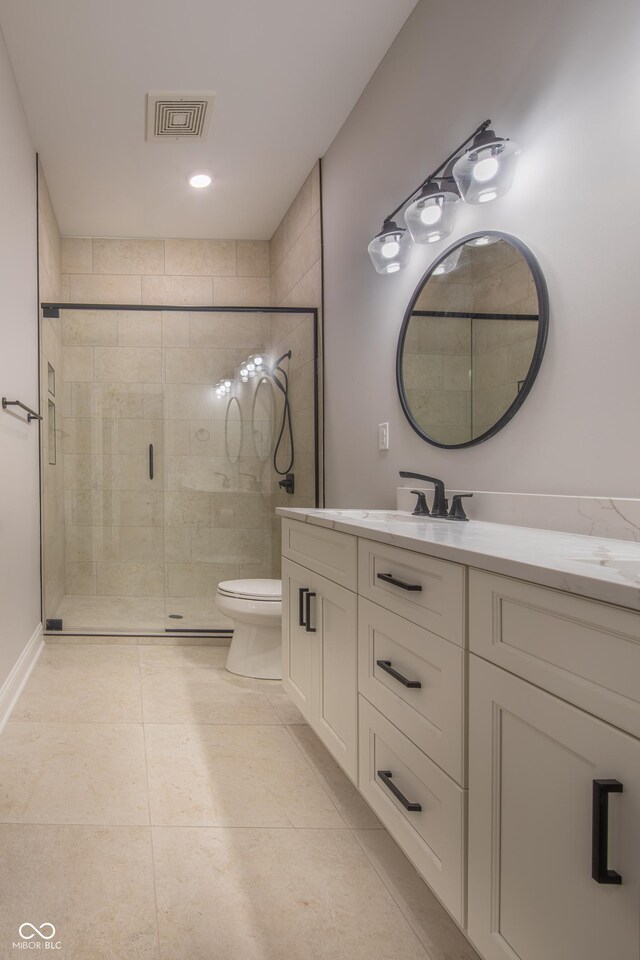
<point>264,590</point>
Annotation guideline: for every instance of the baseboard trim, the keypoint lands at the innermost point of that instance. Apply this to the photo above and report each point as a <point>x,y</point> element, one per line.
<point>15,682</point>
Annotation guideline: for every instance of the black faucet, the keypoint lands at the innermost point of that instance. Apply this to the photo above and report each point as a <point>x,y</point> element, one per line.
<point>440,505</point>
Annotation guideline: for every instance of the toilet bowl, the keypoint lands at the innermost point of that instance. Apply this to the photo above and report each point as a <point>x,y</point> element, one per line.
<point>255,606</point>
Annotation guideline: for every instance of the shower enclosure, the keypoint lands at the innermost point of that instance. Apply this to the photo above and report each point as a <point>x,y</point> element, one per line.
<point>167,420</point>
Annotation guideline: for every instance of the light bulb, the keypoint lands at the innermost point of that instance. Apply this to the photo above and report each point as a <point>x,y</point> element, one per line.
<point>485,169</point>
<point>200,180</point>
<point>243,371</point>
<point>393,268</point>
<point>487,195</point>
<point>251,366</point>
<point>431,214</point>
<point>258,361</point>
<point>390,249</point>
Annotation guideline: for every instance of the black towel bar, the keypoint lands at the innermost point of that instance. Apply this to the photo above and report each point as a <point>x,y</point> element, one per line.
<point>31,414</point>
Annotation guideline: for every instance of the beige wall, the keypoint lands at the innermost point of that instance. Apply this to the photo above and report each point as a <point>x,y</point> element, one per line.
<point>172,272</point>
<point>53,554</point>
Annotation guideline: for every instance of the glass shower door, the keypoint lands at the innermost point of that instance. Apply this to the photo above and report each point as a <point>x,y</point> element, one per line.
<point>217,497</point>
<point>169,486</point>
<point>113,441</point>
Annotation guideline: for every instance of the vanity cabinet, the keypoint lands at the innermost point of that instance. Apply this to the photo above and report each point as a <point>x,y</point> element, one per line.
<point>320,658</point>
<point>533,760</point>
<point>380,675</point>
<point>492,724</point>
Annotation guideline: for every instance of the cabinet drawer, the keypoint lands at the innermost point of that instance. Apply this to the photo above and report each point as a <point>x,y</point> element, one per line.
<point>431,715</point>
<point>584,651</point>
<point>437,600</point>
<point>332,554</point>
<point>433,837</point>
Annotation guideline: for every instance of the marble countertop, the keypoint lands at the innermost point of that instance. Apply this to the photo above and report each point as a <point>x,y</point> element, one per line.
<point>594,567</point>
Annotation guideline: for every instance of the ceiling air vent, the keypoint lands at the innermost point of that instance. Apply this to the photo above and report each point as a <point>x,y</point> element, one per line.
<point>173,115</point>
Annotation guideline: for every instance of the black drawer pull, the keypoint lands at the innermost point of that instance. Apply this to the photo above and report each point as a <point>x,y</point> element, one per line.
<point>389,578</point>
<point>301,593</point>
<point>600,831</point>
<point>307,612</point>
<point>150,461</point>
<point>385,776</point>
<point>386,666</point>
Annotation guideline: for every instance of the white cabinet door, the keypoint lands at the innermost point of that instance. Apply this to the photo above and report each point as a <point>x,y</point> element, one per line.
<point>533,760</point>
<point>297,648</point>
<point>333,615</point>
<point>319,658</point>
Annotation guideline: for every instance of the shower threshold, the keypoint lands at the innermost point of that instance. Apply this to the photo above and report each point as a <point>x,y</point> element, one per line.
<point>140,616</point>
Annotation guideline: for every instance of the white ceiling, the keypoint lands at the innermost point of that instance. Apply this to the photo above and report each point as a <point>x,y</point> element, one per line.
<point>286,74</point>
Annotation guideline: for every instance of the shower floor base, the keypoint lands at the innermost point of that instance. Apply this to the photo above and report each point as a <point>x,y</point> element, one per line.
<point>139,615</point>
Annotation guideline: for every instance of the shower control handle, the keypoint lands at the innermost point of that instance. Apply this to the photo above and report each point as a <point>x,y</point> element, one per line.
<point>150,461</point>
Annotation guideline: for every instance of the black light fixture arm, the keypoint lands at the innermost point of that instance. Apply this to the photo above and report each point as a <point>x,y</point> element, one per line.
<point>434,176</point>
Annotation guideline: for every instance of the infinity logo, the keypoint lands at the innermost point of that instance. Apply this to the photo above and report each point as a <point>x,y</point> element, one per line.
<point>40,932</point>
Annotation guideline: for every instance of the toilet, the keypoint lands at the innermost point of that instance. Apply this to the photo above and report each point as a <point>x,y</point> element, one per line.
<point>255,606</point>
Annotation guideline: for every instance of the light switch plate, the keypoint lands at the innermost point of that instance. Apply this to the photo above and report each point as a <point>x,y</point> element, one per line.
<point>383,436</point>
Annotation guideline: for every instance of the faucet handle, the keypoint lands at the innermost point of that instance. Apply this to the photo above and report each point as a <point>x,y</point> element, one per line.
<point>421,509</point>
<point>457,510</point>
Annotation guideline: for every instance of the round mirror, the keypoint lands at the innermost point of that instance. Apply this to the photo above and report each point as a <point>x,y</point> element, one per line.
<point>233,430</point>
<point>262,419</point>
<point>472,340</point>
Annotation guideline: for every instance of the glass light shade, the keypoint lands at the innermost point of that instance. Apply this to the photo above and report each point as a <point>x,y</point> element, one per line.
<point>485,171</point>
<point>431,216</point>
<point>449,264</point>
<point>389,250</point>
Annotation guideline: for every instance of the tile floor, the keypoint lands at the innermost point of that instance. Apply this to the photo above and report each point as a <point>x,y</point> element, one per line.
<point>155,807</point>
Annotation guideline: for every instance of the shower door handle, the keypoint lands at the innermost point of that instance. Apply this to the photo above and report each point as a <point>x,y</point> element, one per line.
<point>150,461</point>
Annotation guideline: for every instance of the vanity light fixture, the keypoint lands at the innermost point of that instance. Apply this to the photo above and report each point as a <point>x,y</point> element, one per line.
<point>485,171</point>
<point>200,180</point>
<point>477,173</point>
<point>431,216</point>
<point>389,248</point>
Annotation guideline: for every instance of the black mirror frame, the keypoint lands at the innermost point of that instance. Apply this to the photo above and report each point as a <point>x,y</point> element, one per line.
<point>541,342</point>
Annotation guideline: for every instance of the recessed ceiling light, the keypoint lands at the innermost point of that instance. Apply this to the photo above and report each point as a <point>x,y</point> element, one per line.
<point>199,180</point>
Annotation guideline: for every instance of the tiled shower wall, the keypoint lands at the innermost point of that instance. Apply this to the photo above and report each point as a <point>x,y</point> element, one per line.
<point>296,281</point>
<point>502,349</point>
<point>52,466</point>
<point>437,364</point>
<point>126,372</point>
